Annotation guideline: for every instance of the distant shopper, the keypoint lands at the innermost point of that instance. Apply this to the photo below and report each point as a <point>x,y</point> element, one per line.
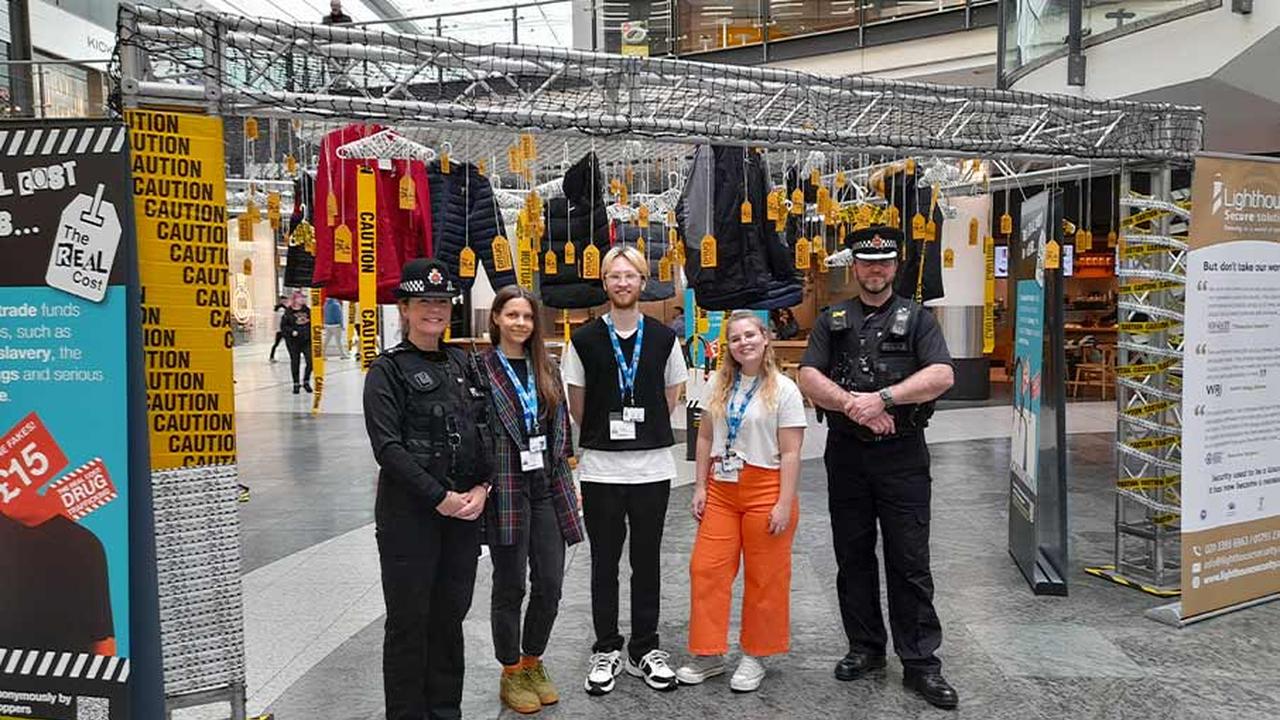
<point>677,323</point>
<point>532,513</point>
<point>333,328</point>
<point>624,373</point>
<point>296,328</point>
<point>426,409</point>
<point>875,364</point>
<point>282,304</point>
<point>335,15</point>
<point>744,499</point>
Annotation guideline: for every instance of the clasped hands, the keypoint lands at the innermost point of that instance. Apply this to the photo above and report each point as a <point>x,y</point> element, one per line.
<point>867,409</point>
<point>463,506</point>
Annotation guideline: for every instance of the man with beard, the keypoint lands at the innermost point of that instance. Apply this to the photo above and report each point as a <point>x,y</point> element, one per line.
<point>624,373</point>
<point>875,364</point>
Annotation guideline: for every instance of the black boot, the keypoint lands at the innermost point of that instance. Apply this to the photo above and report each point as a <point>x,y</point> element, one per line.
<point>295,388</point>
<point>856,664</point>
<point>306,385</point>
<point>932,687</point>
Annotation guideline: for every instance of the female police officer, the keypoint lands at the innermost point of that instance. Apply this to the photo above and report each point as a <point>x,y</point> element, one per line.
<point>426,410</point>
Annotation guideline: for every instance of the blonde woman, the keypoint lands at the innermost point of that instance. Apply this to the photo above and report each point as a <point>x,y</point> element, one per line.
<point>748,464</point>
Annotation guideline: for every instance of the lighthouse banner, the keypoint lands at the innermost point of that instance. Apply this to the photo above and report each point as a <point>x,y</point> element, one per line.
<point>66,226</point>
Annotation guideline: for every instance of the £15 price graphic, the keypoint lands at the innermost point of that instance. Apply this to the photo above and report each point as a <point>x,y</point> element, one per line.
<point>29,457</point>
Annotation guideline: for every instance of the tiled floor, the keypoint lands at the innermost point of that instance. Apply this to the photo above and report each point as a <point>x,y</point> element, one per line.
<point>313,604</point>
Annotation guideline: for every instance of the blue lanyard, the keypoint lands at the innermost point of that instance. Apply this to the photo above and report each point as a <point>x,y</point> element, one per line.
<point>737,414</point>
<point>527,392</point>
<point>626,373</point>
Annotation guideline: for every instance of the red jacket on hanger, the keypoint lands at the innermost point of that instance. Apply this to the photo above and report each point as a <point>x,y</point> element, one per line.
<point>402,235</point>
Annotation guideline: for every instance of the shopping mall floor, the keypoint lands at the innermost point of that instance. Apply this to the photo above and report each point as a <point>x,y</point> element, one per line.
<point>313,605</point>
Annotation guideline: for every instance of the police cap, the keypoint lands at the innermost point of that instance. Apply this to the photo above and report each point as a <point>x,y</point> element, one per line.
<point>875,243</point>
<point>426,278</point>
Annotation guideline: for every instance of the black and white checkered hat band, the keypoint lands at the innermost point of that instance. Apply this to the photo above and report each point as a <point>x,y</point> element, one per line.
<point>412,286</point>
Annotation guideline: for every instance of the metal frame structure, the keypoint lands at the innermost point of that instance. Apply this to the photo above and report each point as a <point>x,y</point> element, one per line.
<point>238,67</point>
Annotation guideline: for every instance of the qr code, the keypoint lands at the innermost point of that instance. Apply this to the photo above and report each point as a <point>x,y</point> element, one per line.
<point>92,708</point>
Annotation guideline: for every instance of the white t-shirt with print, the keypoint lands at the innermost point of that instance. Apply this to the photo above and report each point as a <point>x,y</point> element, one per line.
<point>626,467</point>
<point>757,439</point>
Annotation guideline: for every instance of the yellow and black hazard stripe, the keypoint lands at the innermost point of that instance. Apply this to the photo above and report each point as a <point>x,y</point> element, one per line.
<point>1128,371</point>
<point>1149,286</point>
<point>1145,327</point>
<point>1149,408</point>
<point>1108,572</point>
<point>1143,217</point>
<point>1142,484</point>
<point>1152,443</point>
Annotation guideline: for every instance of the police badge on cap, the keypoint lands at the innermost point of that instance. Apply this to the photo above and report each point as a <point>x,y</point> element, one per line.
<point>875,243</point>
<point>426,278</point>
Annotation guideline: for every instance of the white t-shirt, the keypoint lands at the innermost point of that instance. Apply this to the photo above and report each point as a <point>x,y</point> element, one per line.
<point>757,439</point>
<point>626,467</point>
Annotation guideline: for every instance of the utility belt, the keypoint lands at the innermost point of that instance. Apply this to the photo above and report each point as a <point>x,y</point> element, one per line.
<point>908,421</point>
<point>443,458</point>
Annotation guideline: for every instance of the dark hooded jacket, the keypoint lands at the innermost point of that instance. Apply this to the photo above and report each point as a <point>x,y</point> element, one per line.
<point>463,209</point>
<point>579,216</point>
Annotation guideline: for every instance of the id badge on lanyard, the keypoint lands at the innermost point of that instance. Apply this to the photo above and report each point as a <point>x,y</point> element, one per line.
<point>727,467</point>
<point>527,391</point>
<point>623,426</point>
<point>620,428</point>
<point>732,461</point>
<point>531,459</point>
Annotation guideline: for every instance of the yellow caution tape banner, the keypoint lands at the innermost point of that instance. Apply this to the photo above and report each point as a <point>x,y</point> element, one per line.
<point>1140,484</point>
<point>1129,371</point>
<point>1153,443</point>
<point>989,297</point>
<point>367,209</point>
<point>1143,327</point>
<point>317,347</point>
<point>1149,286</point>
<point>1150,408</point>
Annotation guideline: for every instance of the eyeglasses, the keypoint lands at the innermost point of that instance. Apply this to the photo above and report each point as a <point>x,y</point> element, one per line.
<point>616,278</point>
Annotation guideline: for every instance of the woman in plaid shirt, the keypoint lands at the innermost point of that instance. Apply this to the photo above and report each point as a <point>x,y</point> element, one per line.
<point>532,513</point>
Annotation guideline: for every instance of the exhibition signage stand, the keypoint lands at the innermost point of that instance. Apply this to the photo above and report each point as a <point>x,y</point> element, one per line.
<point>1037,477</point>
<point>1230,392</point>
<point>72,451</point>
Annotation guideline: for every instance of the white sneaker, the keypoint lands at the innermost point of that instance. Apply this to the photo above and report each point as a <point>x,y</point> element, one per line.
<point>699,668</point>
<point>654,669</point>
<point>748,676</point>
<point>604,668</point>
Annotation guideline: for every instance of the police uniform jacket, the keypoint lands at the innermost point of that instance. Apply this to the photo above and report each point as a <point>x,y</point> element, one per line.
<point>502,513</point>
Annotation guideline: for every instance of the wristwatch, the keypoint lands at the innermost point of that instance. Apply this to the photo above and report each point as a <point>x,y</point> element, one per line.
<point>887,397</point>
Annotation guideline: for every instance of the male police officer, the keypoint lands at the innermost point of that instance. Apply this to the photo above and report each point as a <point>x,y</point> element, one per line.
<point>874,364</point>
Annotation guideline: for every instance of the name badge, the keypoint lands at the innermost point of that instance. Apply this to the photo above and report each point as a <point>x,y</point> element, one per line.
<point>726,469</point>
<point>621,428</point>
<point>633,414</point>
<point>732,461</point>
<point>530,460</point>
<point>537,443</point>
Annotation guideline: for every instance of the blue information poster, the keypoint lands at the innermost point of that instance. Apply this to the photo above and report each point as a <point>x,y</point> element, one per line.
<point>1028,354</point>
<point>65,223</point>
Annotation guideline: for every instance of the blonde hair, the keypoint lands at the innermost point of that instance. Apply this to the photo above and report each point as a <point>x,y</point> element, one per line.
<point>729,368</point>
<point>628,253</point>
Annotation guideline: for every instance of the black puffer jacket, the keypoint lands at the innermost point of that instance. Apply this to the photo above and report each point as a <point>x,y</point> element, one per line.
<point>462,206</point>
<point>580,215</point>
<point>754,268</point>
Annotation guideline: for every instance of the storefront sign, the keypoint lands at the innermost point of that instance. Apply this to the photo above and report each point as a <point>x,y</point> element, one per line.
<point>65,226</point>
<point>1231,387</point>
<point>180,196</point>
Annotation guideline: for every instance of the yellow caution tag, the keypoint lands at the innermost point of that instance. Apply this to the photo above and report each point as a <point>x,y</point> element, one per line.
<point>642,216</point>
<point>273,203</point>
<point>918,226</point>
<point>244,228</point>
<point>863,217</point>
<point>673,238</point>
<point>815,177</point>
<point>570,254</point>
<point>819,242</point>
<point>745,212</point>
<point>664,269</point>
<point>629,176</point>
<point>840,180</point>
<point>911,166</point>
<point>467,262</point>
<point>841,233</point>
<point>894,217</point>
<point>615,186</point>
<point>331,209</point>
<point>771,207</point>
<point>247,266</point>
<point>408,194</point>
<point>251,210</point>
<point>708,251</point>
<point>824,201</point>
<point>1006,224</point>
<point>446,166</point>
<point>513,160</point>
<point>973,232</point>
<point>641,246</point>
<point>803,252</point>
<point>549,263</point>
<point>797,202</point>
<point>526,263</point>
<point>1084,240</point>
<point>931,231</point>
<point>304,234</point>
<point>1052,255</point>
<point>342,250</point>
<point>1111,239</point>
<point>291,164</point>
<point>528,146</point>
<point>591,263</point>
<point>624,195</point>
<point>948,258</point>
<point>820,257</point>
<point>671,217</point>
<point>501,254</point>
<point>251,128</point>
<point>482,167</point>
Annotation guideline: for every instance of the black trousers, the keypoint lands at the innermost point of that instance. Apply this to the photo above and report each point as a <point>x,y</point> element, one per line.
<point>608,510</point>
<point>299,349</point>
<point>276,344</point>
<point>428,574</point>
<point>888,483</point>
<point>540,548</point>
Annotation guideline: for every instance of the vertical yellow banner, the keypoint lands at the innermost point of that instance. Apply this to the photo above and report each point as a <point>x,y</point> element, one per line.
<point>317,347</point>
<point>989,299</point>
<point>367,213</point>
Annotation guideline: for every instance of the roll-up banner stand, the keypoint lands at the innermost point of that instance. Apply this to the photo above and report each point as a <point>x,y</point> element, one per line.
<point>73,463</point>
<point>1037,464</point>
<point>1231,390</point>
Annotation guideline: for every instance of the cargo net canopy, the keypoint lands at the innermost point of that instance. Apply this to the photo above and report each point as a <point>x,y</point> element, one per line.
<point>241,66</point>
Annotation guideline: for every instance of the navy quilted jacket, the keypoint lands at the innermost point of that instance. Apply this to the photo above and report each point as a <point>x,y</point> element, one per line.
<point>462,208</point>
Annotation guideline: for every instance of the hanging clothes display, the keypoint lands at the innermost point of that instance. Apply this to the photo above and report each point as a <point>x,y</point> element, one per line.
<point>402,233</point>
<point>911,283</point>
<point>753,268</point>
<point>304,194</point>
<point>464,213</point>
<point>578,217</point>
<point>655,246</point>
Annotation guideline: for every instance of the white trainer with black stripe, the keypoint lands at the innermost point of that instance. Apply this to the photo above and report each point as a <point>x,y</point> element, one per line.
<point>655,671</point>
<point>604,668</point>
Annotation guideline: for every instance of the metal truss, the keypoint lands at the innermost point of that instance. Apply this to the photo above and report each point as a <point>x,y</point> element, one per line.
<point>239,66</point>
<point>1151,266</point>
